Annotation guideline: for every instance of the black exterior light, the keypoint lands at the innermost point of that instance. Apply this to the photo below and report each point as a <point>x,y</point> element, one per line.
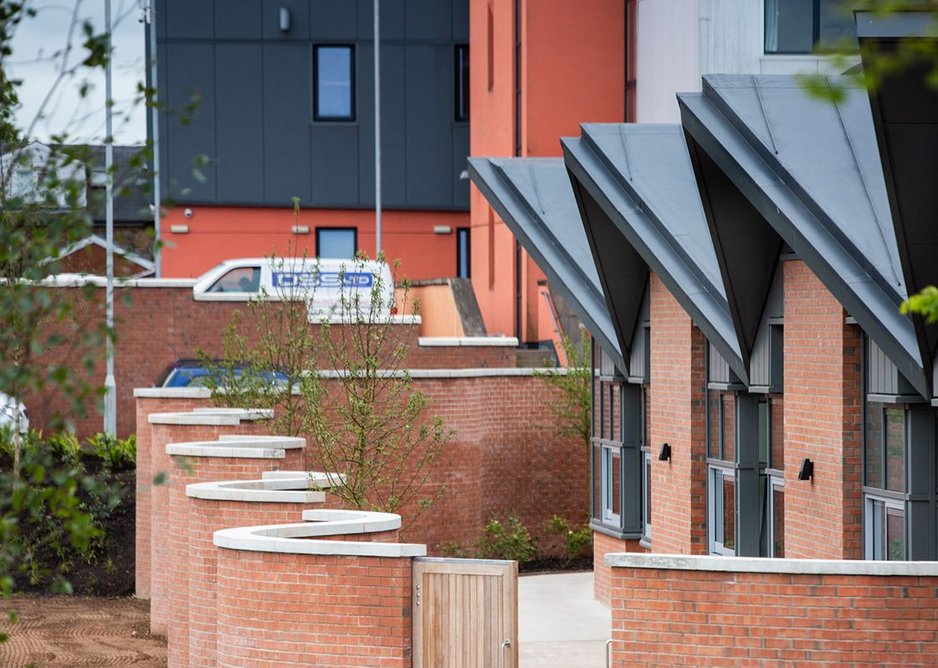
<point>665,454</point>
<point>807,470</point>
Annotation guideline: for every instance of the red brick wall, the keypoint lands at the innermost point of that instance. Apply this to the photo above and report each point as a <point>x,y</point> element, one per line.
<point>505,458</point>
<point>701,618</point>
<point>289,610</point>
<point>203,517</point>
<point>677,416</point>
<point>156,326</point>
<point>145,483</point>
<point>171,494</point>
<point>602,574</point>
<point>823,517</point>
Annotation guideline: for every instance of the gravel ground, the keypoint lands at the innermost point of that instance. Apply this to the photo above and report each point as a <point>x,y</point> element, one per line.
<point>79,631</point>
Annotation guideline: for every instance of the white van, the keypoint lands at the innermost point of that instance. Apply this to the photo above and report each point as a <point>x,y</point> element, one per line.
<point>320,282</point>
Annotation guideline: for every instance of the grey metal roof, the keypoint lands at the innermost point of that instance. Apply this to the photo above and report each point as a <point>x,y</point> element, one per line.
<point>638,179</point>
<point>811,170</point>
<point>533,197</point>
<point>905,118</point>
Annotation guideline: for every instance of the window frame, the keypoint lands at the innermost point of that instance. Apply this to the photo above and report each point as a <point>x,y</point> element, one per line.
<point>716,546</point>
<point>353,230</point>
<point>815,34</point>
<point>461,83</point>
<point>352,117</point>
<point>890,501</point>
<point>467,231</point>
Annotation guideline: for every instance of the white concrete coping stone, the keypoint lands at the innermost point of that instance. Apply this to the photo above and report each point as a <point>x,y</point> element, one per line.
<point>680,562</point>
<point>306,488</point>
<point>73,281</point>
<point>282,442</point>
<point>397,319</point>
<point>243,413</point>
<point>301,538</point>
<point>485,372</point>
<point>234,449</point>
<point>467,341</point>
<point>172,393</point>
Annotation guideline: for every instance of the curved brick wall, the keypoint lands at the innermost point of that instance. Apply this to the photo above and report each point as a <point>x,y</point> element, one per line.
<point>316,598</point>
<point>726,611</point>
<point>207,461</point>
<point>204,516</point>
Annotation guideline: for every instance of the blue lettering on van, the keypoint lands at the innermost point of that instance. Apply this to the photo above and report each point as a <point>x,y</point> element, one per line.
<point>356,280</point>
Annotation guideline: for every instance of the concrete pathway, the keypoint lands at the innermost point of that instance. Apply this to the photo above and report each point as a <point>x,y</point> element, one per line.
<point>560,624</point>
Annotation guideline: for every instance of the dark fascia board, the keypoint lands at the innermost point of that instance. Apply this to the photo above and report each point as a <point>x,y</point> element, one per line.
<point>846,276</point>
<point>551,252</point>
<point>905,119</point>
<point>636,220</point>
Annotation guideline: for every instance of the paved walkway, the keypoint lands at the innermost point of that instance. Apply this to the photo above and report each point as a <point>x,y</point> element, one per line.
<point>560,624</point>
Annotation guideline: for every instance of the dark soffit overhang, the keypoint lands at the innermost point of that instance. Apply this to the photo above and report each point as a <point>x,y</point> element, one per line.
<point>533,197</point>
<point>905,118</point>
<point>811,169</point>
<point>638,180</point>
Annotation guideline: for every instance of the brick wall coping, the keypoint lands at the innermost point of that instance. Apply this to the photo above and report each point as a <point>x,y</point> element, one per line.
<point>464,341</point>
<point>283,442</point>
<point>73,281</point>
<point>243,447</point>
<point>211,417</point>
<point>309,536</point>
<point>495,372</point>
<point>763,565</point>
<point>303,488</point>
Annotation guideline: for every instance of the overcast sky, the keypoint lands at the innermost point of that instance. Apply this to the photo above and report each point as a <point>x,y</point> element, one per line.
<point>37,60</point>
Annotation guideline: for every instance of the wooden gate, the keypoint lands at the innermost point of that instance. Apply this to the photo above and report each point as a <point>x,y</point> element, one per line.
<point>465,613</point>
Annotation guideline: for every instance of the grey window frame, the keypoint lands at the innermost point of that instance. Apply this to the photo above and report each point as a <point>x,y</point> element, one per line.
<point>815,32</point>
<point>714,518</point>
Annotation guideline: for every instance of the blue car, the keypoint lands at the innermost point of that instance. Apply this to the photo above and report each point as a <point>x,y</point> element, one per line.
<point>194,373</point>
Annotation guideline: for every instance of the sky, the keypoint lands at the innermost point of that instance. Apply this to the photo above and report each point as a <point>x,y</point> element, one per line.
<point>37,60</point>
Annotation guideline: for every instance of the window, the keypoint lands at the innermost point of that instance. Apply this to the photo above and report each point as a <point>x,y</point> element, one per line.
<point>884,479</point>
<point>722,507</point>
<point>461,79</point>
<point>617,462</point>
<point>646,468</point>
<point>463,251</point>
<point>242,279</point>
<point>772,477</point>
<point>334,84</point>
<point>336,242</point>
<point>807,26</point>
<point>885,529</point>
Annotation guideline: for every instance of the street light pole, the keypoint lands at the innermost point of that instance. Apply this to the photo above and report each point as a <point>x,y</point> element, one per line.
<point>110,385</point>
<point>377,131</point>
<point>155,144</point>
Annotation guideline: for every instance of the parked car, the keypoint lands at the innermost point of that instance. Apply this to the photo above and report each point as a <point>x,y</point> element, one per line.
<point>195,373</point>
<point>320,282</point>
<point>10,411</point>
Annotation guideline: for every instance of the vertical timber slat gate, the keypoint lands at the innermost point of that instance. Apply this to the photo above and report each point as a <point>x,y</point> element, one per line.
<point>465,613</point>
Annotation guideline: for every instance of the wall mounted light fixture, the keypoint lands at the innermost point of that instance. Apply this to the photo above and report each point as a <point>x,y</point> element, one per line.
<point>807,470</point>
<point>284,19</point>
<point>665,454</point>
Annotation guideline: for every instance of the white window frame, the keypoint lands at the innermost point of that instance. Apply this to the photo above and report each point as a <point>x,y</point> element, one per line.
<point>773,482</point>
<point>607,467</point>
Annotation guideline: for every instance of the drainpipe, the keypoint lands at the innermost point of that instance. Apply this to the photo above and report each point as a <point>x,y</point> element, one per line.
<point>518,256</point>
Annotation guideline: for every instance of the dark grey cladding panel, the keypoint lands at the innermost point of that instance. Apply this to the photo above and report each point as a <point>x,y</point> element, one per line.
<point>239,82</point>
<point>905,116</point>
<point>821,197</point>
<point>241,19</point>
<point>747,247</point>
<point>533,197</point>
<point>641,178</point>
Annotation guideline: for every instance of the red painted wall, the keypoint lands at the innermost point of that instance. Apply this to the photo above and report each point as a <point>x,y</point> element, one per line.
<point>221,233</point>
<point>572,71</point>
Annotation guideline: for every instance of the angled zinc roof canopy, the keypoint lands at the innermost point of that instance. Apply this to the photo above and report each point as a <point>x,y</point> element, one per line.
<point>811,169</point>
<point>638,180</point>
<point>533,197</point>
<point>905,116</point>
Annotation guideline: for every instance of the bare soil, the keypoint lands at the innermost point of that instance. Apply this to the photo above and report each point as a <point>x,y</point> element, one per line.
<point>79,631</point>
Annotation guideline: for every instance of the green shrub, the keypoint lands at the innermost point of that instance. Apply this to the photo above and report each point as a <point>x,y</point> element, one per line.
<point>508,540</point>
<point>578,542</point>
<point>116,454</point>
<point>65,447</point>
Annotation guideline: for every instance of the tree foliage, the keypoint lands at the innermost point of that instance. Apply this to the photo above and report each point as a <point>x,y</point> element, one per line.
<point>572,405</point>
